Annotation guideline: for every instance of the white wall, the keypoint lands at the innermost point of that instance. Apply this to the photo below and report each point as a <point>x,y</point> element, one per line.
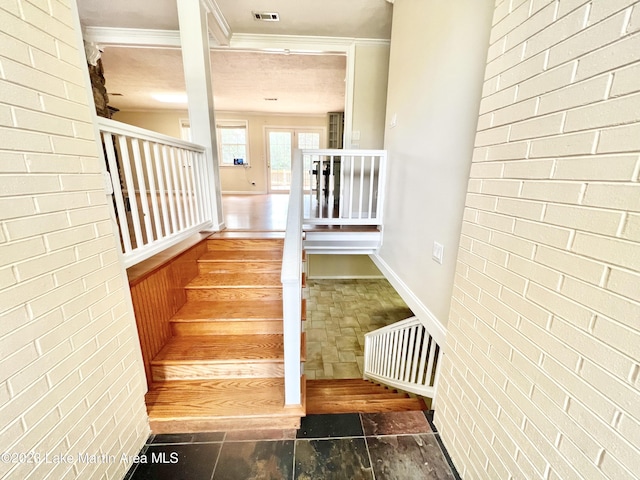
<point>438,52</point>
<point>341,266</point>
<point>541,372</point>
<point>71,376</point>
<point>370,95</point>
<point>166,122</point>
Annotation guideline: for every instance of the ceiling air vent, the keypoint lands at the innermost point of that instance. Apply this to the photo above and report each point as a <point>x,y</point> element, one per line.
<point>266,16</point>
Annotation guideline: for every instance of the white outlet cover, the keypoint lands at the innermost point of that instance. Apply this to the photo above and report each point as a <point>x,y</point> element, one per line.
<point>438,252</point>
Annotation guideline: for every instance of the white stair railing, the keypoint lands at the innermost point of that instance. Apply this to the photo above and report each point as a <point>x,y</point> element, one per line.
<point>344,187</point>
<point>161,188</point>
<point>403,355</point>
<point>291,279</point>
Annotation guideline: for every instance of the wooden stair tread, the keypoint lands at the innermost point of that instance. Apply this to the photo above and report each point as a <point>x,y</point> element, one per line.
<point>247,234</point>
<point>229,310</point>
<point>229,398</point>
<point>356,395</point>
<point>270,255</point>
<point>235,280</point>
<point>347,390</point>
<point>221,348</point>
<point>367,396</point>
<point>365,406</point>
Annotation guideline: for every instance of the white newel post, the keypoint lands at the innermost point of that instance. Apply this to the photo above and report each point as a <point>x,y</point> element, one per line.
<point>194,38</point>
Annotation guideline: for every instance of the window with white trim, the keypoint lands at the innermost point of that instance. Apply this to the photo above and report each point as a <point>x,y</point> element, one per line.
<point>233,142</point>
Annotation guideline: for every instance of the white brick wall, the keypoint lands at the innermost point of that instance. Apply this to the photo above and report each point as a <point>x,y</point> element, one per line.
<point>541,373</point>
<point>71,377</point>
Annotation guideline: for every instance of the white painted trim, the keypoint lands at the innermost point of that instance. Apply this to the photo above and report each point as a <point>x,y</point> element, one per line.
<point>219,28</point>
<point>344,277</point>
<point>350,80</point>
<point>151,249</point>
<point>120,128</point>
<point>293,130</point>
<point>434,326</point>
<point>243,192</point>
<point>132,37</point>
<point>270,114</point>
<point>141,37</point>
<point>301,43</point>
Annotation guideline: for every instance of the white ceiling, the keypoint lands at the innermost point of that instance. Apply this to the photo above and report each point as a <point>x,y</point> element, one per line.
<point>241,80</point>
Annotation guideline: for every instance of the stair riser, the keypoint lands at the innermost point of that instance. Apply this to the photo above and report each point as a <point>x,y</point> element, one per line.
<point>239,267</point>
<point>235,294</point>
<point>217,371</point>
<point>364,406</point>
<point>244,244</point>
<point>349,391</point>
<point>225,424</point>
<point>222,327</point>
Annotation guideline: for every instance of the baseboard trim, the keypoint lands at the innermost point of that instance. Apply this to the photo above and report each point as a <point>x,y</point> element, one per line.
<point>345,277</point>
<point>242,192</point>
<point>434,326</point>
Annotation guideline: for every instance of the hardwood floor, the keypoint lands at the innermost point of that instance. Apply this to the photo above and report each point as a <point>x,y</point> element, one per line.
<point>255,212</point>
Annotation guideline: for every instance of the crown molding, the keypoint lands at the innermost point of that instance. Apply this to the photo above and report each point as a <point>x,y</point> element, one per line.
<point>301,43</point>
<point>132,37</point>
<point>136,37</point>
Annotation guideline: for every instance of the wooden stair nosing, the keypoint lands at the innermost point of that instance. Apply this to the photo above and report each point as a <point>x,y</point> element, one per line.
<point>239,256</point>
<point>217,371</point>
<point>220,244</point>
<point>228,310</point>
<point>220,349</point>
<point>198,404</point>
<point>232,310</point>
<point>234,294</point>
<point>235,280</point>
<point>366,396</point>
<point>237,267</point>
<point>319,391</point>
<point>227,327</point>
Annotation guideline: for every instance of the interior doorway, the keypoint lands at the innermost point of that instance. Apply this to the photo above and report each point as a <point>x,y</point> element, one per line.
<point>280,145</point>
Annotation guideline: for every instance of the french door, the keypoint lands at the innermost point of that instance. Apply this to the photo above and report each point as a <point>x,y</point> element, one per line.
<point>280,145</point>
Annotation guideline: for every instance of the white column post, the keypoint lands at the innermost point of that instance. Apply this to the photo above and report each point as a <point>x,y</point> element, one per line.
<point>196,59</point>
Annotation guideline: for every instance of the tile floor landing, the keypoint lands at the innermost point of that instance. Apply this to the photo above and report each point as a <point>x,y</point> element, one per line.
<point>382,446</point>
<point>339,313</point>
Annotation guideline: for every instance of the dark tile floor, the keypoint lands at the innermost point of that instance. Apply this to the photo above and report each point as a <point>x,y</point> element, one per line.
<point>381,446</point>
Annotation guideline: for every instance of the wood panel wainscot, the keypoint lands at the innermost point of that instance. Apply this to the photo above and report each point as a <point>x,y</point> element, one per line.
<point>157,292</point>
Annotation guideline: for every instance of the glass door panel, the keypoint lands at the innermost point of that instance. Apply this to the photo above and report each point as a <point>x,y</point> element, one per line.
<point>281,143</point>
<point>280,160</point>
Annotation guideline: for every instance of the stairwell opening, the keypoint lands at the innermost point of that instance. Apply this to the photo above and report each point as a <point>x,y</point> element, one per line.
<point>339,313</point>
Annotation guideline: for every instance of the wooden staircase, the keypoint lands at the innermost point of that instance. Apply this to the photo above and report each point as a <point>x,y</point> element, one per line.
<point>222,368</point>
<point>356,395</point>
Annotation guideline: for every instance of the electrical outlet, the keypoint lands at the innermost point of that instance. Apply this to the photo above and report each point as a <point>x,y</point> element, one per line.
<point>438,252</point>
